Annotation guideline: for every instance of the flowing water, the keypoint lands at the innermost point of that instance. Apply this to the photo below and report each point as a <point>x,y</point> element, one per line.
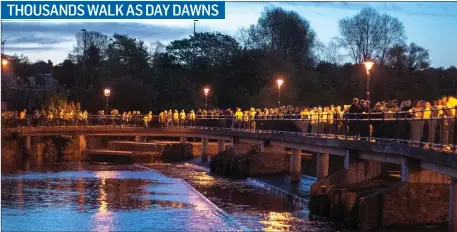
<point>155,197</point>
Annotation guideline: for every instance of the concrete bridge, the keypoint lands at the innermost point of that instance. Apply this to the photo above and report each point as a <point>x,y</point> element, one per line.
<point>418,165</point>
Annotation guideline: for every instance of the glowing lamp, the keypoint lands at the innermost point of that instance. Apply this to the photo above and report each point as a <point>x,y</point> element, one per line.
<point>279,81</point>
<point>368,65</point>
<point>107,92</point>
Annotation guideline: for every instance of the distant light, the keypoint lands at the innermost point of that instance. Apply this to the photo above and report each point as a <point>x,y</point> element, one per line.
<point>279,81</point>
<point>107,92</point>
<point>4,62</point>
<point>206,91</point>
<point>368,64</point>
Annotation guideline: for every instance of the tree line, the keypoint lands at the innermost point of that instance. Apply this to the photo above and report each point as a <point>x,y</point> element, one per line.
<point>241,70</point>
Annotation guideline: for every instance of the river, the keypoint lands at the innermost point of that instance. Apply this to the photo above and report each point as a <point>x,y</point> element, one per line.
<point>153,197</point>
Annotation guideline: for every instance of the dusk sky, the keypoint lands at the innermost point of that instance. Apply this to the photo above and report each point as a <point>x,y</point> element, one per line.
<point>432,25</point>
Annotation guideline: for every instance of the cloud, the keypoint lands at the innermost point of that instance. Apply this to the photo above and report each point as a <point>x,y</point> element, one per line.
<point>20,49</point>
<point>34,38</point>
<point>435,9</point>
<point>52,33</point>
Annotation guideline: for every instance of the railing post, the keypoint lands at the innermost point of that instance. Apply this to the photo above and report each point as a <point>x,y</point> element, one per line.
<point>358,126</point>
<point>382,126</point>
<point>412,129</point>
<point>346,125</point>
<point>369,126</point>
<point>422,128</point>
<point>455,130</point>
<point>442,131</point>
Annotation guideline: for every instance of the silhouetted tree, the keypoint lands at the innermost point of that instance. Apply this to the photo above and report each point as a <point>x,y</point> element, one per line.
<point>370,34</point>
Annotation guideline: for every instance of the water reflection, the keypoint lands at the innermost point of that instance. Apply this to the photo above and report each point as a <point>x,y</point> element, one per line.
<point>103,219</point>
<point>257,208</point>
<point>69,197</point>
<point>277,221</point>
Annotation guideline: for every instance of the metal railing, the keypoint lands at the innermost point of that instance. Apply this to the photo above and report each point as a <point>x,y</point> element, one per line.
<point>426,128</point>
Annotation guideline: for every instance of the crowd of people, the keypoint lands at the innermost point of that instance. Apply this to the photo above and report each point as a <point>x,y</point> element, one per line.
<point>421,121</point>
<point>69,114</point>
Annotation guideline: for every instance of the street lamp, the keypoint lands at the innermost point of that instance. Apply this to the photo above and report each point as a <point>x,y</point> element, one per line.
<point>279,81</point>
<point>206,90</point>
<point>195,21</point>
<point>107,93</point>
<point>368,65</point>
<point>4,62</point>
<point>3,46</point>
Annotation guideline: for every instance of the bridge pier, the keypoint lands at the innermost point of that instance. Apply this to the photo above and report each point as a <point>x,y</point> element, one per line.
<point>295,166</point>
<point>204,149</point>
<point>262,146</point>
<point>81,143</point>
<point>411,171</point>
<point>139,138</point>
<point>453,205</point>
<point>350,157</point>
<point>220,145</point>
<point>183,139</point>
<point>27,145</point>
<point>322,165</point>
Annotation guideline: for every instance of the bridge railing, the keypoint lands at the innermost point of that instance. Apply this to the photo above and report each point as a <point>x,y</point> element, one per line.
<point>426,128</point>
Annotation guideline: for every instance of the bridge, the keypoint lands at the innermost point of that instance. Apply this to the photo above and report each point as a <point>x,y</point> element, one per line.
<point>419,164</point>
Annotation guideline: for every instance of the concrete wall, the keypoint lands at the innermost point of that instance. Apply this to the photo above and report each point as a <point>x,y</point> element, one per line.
<point>268,163</point>
<point>357,172</point>
<point>415,203</point>
<point>405,204</point>
<point>159,145</point>
<point>96,142</point>
<point>212,148</point>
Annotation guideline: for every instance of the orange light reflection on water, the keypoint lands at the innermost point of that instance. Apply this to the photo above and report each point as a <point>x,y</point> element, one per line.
<point>277,221</point>
<point>103,219</point>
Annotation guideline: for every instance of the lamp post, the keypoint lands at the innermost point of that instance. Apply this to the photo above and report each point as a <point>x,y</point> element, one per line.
<point>107,93</point>
<point>279,81</point>
<point>368,65</point>
<point>3,46</point>
<point>195,22</point>
<point>206,90</point>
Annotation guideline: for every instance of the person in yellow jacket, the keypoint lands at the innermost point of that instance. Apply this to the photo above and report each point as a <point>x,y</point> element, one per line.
<point>22,114</point>
<point>145,120</point>
<point>169,118</point>
<point>66,118</point>
<point>246,120</point>
<point>22,117</point>
<point>252,114</point>
<point>182,118</point>
<point>191,118</point>
<point>266,113</point>
<point>238,116</point>
<point>163,118</point>
<point>61,115</point>
<point>176,118</point>
<point>49,118</point>
<point>80,117</point>
<point>314,115</point>
<point>304,116</point>
<point>86,117</point>
<point>150,117</point>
